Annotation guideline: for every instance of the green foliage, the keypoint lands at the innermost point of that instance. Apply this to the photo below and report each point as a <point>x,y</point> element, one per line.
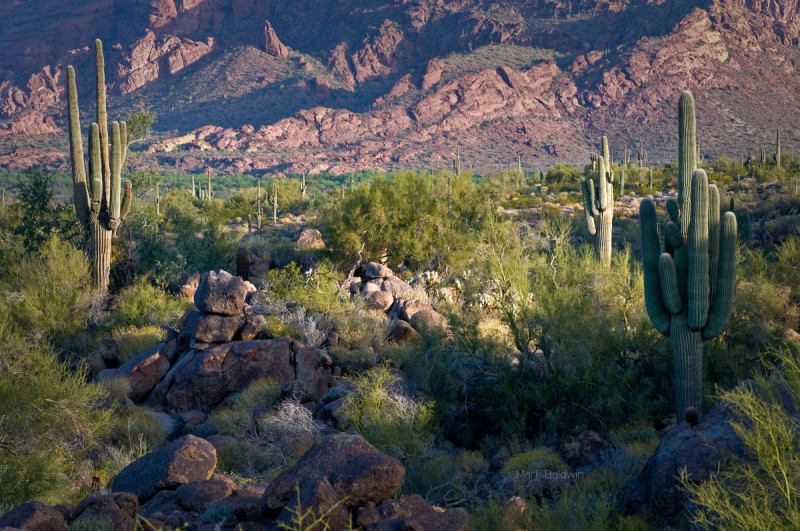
<point>49,416</point>
<point>40,217</point>
<point>57,305</point>
<point>133,340</point>
<point>140,121</point>
<point>237,417</point>
<point>762,493</point>
<point>409,214</point>
<point>388,418</point>
<point>145,305</point>
<point>306,519</point>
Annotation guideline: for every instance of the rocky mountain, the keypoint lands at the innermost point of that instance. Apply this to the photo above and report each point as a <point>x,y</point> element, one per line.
<point>316,85</point>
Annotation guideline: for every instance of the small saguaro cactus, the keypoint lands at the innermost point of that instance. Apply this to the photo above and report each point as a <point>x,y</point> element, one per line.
<point>650,179</point>
<point>689,284</point>
<point>259,212</point>
<point>641,156</point>
<point>194,189</point>
<point>778,148</point>
<point>275,203</point>
<point>209,192</point>
<point>158,201</point>
<point>457,162</point>
<point>100,202</point>
<point>621,183</point>
<point>598,206</point>
<point>303,188</point>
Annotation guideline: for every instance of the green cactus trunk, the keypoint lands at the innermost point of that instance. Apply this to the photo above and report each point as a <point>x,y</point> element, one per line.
<point>598,205</point>
<point>621,183</point>
<point>689,289</point>
<point>778,148</point>
<point>100,203</point>
<point>303,188</point>
<point>194,189</point>
<point>275,204</point>
<point>650,180</point>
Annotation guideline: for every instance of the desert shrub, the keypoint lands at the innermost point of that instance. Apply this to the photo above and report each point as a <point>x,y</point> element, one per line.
<point>413,216</point>
<point>57,303</point>
<point>133,340</point>
<point>145,305</point>
<point>445,477</point>
<point>394,422</point>
<point>761,493</point>
<point>136,426</point>
<point>96,523</point>
<point>786,269</point>
<point>541,458</point>
<point>237,417</point>
<point>49,416</point>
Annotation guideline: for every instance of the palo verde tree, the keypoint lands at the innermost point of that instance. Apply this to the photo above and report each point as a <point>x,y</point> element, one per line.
<point>689,283</point>
<point>100,203</point>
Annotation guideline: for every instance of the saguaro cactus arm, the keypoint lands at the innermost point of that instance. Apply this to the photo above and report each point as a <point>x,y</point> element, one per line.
<point>80,186</point>
<point>651,253</point>
<point>722,303</point>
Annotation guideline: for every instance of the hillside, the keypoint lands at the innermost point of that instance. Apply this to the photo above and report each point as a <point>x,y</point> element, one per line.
<point>314,86</point>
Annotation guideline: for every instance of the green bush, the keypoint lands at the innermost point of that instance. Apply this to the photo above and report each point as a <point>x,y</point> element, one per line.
<point>56,304</point>
<point>49,416</point>
<point>388,418</point>
<point>413,216</point>
<point>762,493</point>
<point>145,305</point>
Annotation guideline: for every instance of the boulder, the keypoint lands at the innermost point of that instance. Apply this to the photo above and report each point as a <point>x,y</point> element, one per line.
<point>379,300</point>
<point>398,288</point>
<point>207,377</point>
<point>428,321</point>
<point>312,371</point>
<point>317,496</point>
<point>375,270</point>
<point>700,449</point>
<point>273,44</point>
<point>211,328</point>
<point>185,460</point>
<point>142,372</point>
<point>221,293</point>
<point>253,327</point>
<point>406,309</point>
<point>121,508</point>
<point>33,516</point>
<point>198,495</point>
<point>353,467</point>
<point>401,331</point>
<point>190,286</point>
<point>310,240</point>
<point>411,512</point>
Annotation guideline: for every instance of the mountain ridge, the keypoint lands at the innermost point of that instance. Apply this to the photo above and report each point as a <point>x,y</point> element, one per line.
<point>318,86</point>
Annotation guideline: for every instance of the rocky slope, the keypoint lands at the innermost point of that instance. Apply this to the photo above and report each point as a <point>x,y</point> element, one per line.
<point>245,86</point>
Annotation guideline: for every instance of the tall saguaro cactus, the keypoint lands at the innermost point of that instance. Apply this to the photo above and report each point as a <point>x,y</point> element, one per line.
<point>100,203</point>
<point>598,206</point>
<point>689,285</point>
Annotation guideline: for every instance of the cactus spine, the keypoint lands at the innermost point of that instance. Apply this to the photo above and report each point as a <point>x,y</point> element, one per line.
<point>598,206</point>
<point>100,203</point>
<point>689,289</point>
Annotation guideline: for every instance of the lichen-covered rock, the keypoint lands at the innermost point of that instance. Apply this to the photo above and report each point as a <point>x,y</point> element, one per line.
<point>207,377</point>
<point>142,372</point>
<point>358,473</point>
<point>121,508</point>
<point>221,293</point>
<point>33,516</point>
<point>182,461</point>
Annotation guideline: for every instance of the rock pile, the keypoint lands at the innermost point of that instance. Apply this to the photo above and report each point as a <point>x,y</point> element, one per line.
<point>343,479</point>
<point>385,292</point>
<point>220,348</point>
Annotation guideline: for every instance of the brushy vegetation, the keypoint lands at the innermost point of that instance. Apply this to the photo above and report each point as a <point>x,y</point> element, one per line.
<point>543,342</point>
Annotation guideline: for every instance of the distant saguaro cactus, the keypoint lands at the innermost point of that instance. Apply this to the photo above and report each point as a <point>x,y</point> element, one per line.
<point>275,203</point>
<point>689,288</point>
<point>303,188</point>
<point>598,206</point>
<point>778,148</point>
<point>100,203</point>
